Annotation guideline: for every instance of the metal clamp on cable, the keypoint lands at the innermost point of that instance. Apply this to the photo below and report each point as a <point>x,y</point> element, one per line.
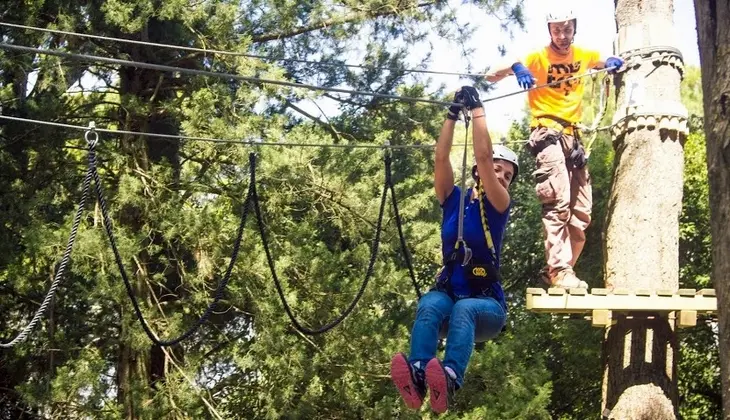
<point>91,136</point>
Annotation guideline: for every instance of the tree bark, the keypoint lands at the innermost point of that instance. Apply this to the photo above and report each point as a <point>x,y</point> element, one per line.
<point>642,229</point>
<point>714,43</point>
<point>144,369</point>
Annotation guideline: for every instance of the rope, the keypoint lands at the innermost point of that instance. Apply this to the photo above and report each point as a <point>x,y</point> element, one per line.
<point>258,80</point>
<point>462,194</point>
<point>215,140</point>
<point>398,223</point>
<point>23,335</point>
<point>603,107</point>
<point>240,54</point>
<point>485,221</point>
<point>130,291</point>
<point>373,254</point>
<point>254,80</point>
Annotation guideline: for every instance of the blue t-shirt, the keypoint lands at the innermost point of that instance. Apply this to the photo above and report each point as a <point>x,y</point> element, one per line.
<point>473,235</point>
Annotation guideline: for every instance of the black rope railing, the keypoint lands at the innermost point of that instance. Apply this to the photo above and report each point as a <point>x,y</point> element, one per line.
<point>373,255</point>
<point>218,295</point>
<point>399,224</point>
<point>25,332</point>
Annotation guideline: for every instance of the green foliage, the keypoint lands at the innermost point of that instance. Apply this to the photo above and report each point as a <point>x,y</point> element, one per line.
<point>176,206</point>
<point>699,376</point>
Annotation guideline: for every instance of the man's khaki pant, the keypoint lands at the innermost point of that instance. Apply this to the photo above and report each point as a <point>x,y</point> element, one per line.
<point>566,197</point>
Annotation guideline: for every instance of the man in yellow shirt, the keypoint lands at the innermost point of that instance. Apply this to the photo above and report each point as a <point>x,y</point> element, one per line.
<point>563,183</point>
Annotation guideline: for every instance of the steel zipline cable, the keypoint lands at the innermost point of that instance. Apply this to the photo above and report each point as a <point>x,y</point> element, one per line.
<point>322,63</point>
<point>258,80</point>
<point>217,140</point>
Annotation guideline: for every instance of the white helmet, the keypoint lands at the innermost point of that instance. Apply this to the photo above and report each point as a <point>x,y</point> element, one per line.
<point>505,153</point>
<point>502,152</point>
<point>559,15</point>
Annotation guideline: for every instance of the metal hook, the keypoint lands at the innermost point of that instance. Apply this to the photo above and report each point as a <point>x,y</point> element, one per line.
<point>467,252</point>
<point>91,141</point>
<point>467,117</point>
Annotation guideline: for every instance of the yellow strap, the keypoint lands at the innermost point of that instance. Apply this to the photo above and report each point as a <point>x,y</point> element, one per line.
<point>485,222</point>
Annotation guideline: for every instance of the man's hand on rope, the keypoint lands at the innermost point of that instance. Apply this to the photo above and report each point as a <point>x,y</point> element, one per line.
<point>524,78</point>
<point>614,62</point>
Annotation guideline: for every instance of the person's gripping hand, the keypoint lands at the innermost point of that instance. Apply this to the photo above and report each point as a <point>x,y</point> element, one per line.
<point>524,78</point>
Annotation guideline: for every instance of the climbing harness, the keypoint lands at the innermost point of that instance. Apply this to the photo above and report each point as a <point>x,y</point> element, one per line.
<point>479,274</point>
<point>218,295</point>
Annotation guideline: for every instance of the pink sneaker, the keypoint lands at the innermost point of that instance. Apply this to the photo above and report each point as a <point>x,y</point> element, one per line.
<point>440,384</point>
<point>410,382</point>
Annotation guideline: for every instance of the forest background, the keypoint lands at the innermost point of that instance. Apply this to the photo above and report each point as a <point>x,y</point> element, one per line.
<point>176,206</point>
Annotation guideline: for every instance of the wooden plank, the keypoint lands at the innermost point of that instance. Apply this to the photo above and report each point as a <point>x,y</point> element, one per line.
<point>585,303</point>
<point>600,291</point>
<point>686,292</point>
<point>707,292</point>
<point>556,291</point>
<point>530,301</point>
<point>665,292</point>
<point>620,291</point>
<point>643,292</point>
<point>535,291</point>
<point>687,319</point>
<point>577,291</point>
<point>601,318</point>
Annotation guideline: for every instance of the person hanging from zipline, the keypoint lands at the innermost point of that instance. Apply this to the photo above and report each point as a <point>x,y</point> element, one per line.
<point>467,303</point>
<point>563,184</point>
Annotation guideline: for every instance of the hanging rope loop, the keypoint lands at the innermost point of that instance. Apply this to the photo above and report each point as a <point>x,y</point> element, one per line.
<point>220,289</point>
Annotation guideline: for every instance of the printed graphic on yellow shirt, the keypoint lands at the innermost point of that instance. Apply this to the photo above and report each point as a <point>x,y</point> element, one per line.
<point>564,99</point>
<point>558,72</point>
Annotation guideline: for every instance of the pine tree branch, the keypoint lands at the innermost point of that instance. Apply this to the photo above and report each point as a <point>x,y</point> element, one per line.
<point>354,17</point>
<point>192,383</point>
<point>327,126</point>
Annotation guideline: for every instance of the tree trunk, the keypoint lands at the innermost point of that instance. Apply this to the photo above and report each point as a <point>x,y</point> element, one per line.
<point>642,229</point>
<point>145,369</point>
<point>714,42</point>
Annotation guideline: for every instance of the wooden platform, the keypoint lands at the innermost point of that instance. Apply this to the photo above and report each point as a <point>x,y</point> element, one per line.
<point>603,305</point>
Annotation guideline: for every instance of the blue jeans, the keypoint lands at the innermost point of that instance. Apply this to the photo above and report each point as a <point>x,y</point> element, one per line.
<point>467,320</point>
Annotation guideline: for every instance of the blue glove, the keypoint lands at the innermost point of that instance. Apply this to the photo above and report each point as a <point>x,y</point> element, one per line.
<point>467,96</point>
<point>614,62</point>
<point>524,77</point>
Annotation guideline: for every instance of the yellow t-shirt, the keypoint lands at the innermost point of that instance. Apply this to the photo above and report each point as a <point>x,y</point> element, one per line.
<point>562,100</point>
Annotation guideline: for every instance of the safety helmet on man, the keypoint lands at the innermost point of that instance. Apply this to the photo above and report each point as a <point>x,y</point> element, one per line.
<point>562,15</point>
